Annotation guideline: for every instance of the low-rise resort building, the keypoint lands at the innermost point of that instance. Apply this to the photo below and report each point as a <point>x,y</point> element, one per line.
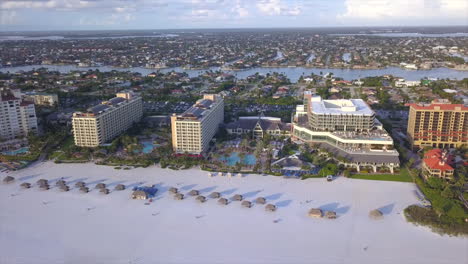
<point>438,163</point>
<point>348,129</point>
<point>258,126</point>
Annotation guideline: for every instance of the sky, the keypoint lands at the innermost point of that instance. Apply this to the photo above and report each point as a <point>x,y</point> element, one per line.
<point>185,14</point>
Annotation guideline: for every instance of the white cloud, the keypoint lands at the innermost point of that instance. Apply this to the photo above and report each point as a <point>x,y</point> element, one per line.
<point>388,10</point>
<point>8,17</point>
<point>114,19</point>
<point>277,7</point>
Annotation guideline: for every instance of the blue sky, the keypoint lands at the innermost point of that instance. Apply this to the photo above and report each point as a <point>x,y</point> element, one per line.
<point>173,14</point>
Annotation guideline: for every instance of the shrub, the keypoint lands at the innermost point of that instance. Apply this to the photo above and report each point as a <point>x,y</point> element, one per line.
<point>428,217</point>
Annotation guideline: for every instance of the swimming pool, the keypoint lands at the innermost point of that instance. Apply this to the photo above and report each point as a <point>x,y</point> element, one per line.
<point>234,158</point>
<point>16,152</point>
<point>148,147</point>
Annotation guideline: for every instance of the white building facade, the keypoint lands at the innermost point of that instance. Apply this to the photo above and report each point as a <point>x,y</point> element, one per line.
<point>17,117</point>
<point>193,130</point>
<point>106,121</point>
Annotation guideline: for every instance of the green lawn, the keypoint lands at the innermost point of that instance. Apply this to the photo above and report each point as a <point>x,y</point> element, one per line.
<point>403,176</point>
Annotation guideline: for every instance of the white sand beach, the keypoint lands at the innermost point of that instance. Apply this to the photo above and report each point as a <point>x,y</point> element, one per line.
<point>71,227</point>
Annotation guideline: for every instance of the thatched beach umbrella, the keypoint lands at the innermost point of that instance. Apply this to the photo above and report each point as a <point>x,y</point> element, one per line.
<point>84,189</point>
<point>215,195</point>
<point>42,181</point>
<point>229,175</point>
<point>139,195</point>
<point>270,207</point>
<point>64,188</point>
<point>237,197</point>
<point>194,193</point>
<point>260,200</point>
<point>173,190</point>
<point>376,214</point>
<point>8,179</point>
<point>100,185</point>
<point>80,184</point>
<point>210,174</point>
<point>104,191</point>
<point>315,212</point>
<point>201,198</point>
<point>44,187</point>
<point>223,201</point>
<point>178,196</point>
<point>119,187</point>
<point>25,185</point>
<point>246,204</point>
<point>239,175</point>
<point>60,183</point>
<point>330,215</point>
<point>220,174</point>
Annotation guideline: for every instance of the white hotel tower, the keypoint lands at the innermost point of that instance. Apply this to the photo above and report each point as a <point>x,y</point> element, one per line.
<point>103,122</point>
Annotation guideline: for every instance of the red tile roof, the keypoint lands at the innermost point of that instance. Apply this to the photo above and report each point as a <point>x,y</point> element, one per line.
<point>446,107</point>
<point>434,160</point>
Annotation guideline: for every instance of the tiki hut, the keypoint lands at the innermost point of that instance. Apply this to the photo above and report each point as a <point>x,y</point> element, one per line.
<point>84,189</point>
<point>119,187</point>
<point>42,182</point>
<point>210,174</point>
<point>100,185</point>
<point>220,174</point>
<point>223,201</point>
<point>194,193</point>
<point>178,196</point>
<point>237,197</point>
<point>270,207</point>
<point>104,191</point>
<point>330,215</point>
<point>8,179</point>
<point>215,195</point>
<point>375,214</point>
<point>229,175</point>
<point>60,183</point>
<point>201,198</point>
<point>173,190</point>
<point>80,184</point>
<point>239,175</point>
<point>246,204</point>
<point>44,187</point>
<point>139,195</point>
<point>25,185</point>
<point>260,200</point>
<point>315,212</point>
<point>64,188</point>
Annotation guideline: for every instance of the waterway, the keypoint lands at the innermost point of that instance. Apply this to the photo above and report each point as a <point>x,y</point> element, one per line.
<point>293,73</point>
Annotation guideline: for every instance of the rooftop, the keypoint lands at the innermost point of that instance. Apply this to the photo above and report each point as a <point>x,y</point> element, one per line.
<point>439,106</point>
<point>340,107</point>
<point>200,109</point>
<point>104,106</point>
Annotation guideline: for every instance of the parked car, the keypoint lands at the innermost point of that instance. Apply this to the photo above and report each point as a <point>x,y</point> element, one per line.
<point>330,178</point>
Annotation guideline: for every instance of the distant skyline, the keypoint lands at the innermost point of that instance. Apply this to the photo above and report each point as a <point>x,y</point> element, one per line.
<point>187,14</point>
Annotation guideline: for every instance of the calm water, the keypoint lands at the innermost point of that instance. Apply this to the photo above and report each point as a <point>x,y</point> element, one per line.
<point>293,73</point>
<point>234,158</point>
<point>16,152</point>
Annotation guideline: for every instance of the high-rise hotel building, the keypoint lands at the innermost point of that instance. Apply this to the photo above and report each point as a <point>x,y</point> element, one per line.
<point>193,129</point>
<point>17,116</point>
<point>347,128</point>
<point>439,125</point>
<point>107,120</point>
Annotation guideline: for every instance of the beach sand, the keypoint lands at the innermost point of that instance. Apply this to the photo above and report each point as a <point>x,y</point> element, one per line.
<point>70,227</point>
